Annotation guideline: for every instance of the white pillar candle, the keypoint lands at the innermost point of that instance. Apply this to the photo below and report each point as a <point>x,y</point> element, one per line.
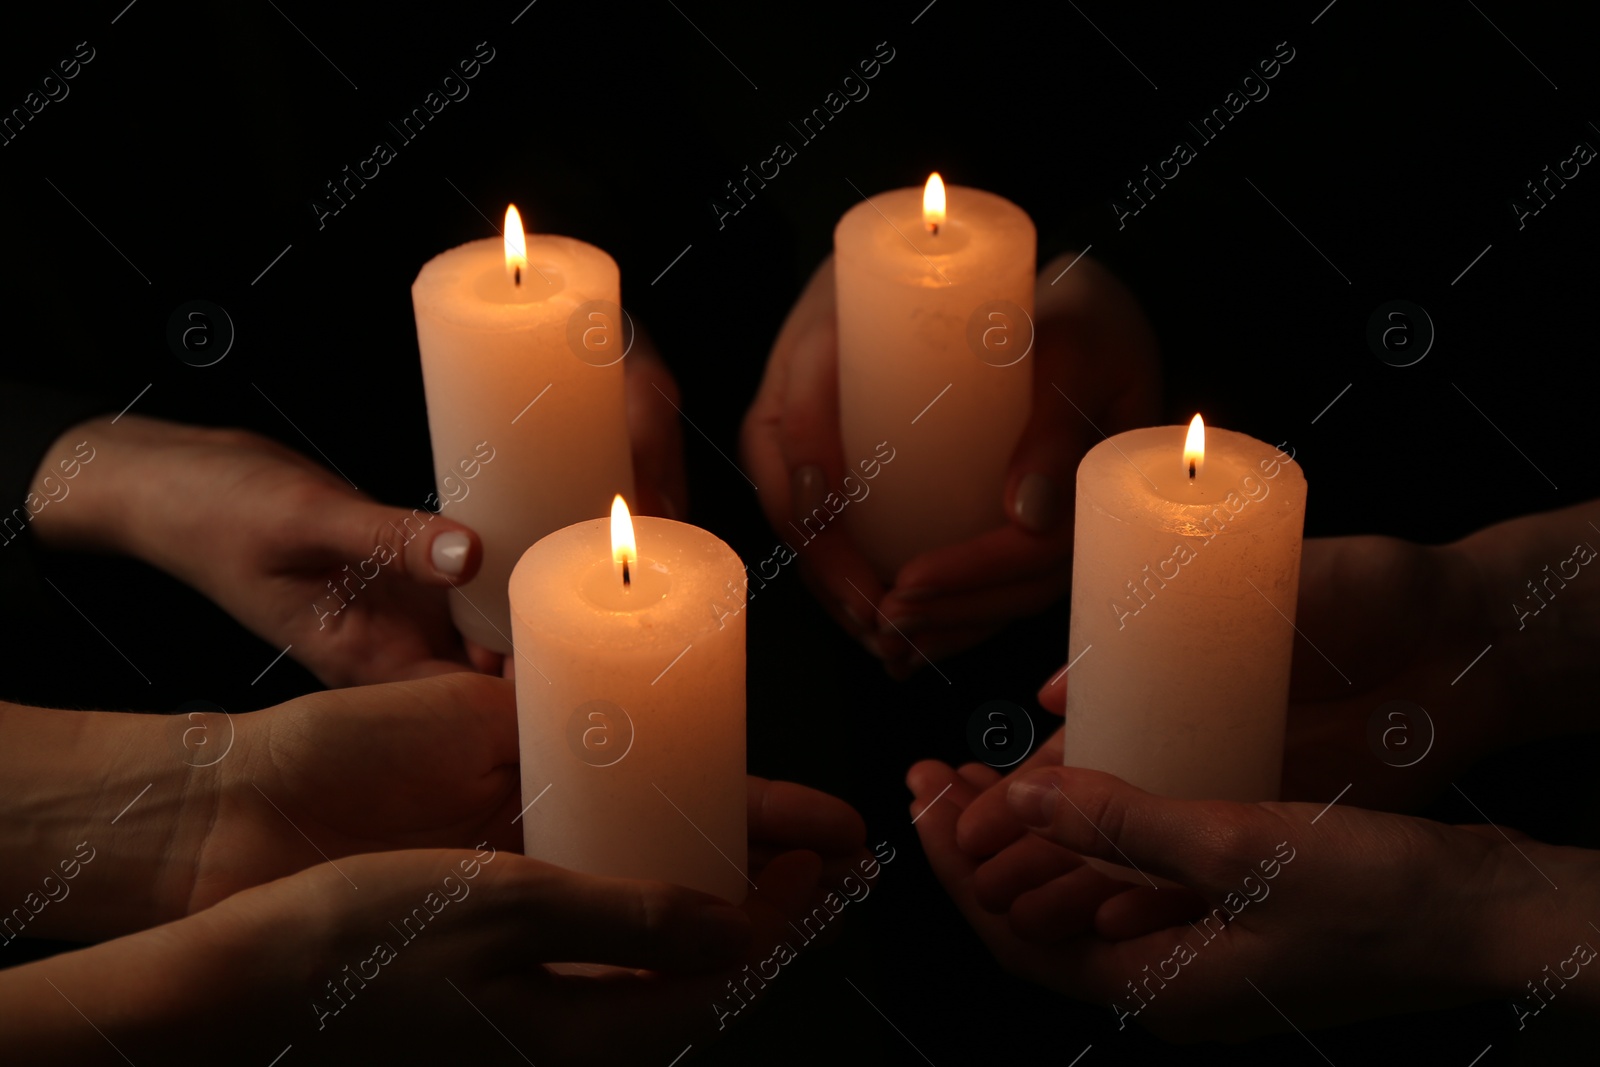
<point>630,705</point>
<point>1182,594</point>
<point>527,359</point>
<point>934,330</point>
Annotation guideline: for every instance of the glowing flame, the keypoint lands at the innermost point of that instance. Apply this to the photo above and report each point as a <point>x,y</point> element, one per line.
<point>624,552</point>
<point>516,246</point>
<point>1194,447</point>
<point>933,203</point>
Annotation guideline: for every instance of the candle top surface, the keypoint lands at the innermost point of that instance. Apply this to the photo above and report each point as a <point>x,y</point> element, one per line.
<point>468,285</point>
<point>1140,477</point>
<point>685,583</point>
<point>888,235</point>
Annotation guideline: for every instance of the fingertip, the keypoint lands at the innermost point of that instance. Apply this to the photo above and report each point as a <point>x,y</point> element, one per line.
<point>454,553</point>
<point>1037,503</point>
<point>927,776</point>
<point>1033,797</point>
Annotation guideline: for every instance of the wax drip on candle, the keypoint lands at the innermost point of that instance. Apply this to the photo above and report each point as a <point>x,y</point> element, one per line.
<point>933,209</point>
<point>1194,447</point>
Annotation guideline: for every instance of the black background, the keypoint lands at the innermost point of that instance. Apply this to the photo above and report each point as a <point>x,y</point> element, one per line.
<point>1395,141</point>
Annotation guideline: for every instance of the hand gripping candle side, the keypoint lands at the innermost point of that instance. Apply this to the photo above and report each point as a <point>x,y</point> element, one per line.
<point>1182,594</point>
<point>498,365</point>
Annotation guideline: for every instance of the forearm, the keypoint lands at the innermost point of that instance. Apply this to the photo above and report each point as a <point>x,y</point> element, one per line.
<point>173,995</point>
<point>97,810</point>
<point>1540,580</point>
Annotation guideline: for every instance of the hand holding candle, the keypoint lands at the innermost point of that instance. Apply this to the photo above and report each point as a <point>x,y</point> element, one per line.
<point>1093,348</point>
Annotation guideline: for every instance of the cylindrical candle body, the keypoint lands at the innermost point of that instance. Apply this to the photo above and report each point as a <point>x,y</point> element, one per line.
<point>1182,596</point>
<point>934,338</point>
<point>508,375</point>
<point>630,705</point>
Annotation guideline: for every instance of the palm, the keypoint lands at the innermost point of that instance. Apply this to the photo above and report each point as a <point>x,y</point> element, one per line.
<point>365,770</point>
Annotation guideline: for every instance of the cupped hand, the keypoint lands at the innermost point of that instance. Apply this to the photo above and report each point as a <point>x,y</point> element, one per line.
<point>430,763</point>
<point>344,957</point>
<point>1287,911</point>
<point>1095,373</point>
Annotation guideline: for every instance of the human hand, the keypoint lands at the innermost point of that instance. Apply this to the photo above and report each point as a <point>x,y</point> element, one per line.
<point>1331,915</point>
<point>354,589</point>
<point>1093,351</point>
<point>372,942</point>
<point>431,763</point>
<point>1381,620</point>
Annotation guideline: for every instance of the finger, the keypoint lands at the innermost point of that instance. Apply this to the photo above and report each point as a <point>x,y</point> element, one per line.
<point>1063,908</point>
<point>1140,910</point>
<point>980,775</point>
<point>795,816</point>
<point>1053,693</point>
<point>655,431</point>
<point>1024,865</point>
<point>1196,843</point>
<point>985,609</point>
<point>567,917</point>
<point>483,660</point>
<point>988,824</point>
<point>904,657</point>
<point>999,557</point>
<point>422,546</point>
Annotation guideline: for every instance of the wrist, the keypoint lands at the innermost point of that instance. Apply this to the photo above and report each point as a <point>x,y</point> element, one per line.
<point>113,818</point>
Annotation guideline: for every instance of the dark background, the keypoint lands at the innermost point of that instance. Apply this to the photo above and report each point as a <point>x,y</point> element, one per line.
<point>1395,140</point>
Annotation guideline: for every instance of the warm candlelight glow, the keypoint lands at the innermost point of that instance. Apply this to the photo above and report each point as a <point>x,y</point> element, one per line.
<point>624,553</point>
<point>933,203</point>
<point>516,246</point>
<point>1194,447</point>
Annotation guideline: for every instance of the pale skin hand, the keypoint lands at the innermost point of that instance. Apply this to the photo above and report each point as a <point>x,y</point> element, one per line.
<point>235,802</point>
<point>1093,348</point>
<point>250,976</point>
<point>1358,915</point>
<point>262,531</point>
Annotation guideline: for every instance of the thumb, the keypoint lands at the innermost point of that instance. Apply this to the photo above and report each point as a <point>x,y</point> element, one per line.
<point>1198,843</point>
<point>423,546</point>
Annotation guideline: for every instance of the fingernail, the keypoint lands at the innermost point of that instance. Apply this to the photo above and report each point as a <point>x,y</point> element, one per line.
<point>809,490</point>
<point>1038,503</point>
<point>449,552</point>
<point>1033,801</point>
<point>722,933</point>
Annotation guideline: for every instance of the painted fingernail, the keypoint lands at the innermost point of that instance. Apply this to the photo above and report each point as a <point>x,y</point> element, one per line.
<point>1033,801</point>
<point>810,489</point>
<point>449,552</point>
<point>1038,503</point>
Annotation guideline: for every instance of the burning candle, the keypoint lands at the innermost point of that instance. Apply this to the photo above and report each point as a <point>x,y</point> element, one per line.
<point>1185,571</point>
<point>935,298</point>
<point>630,702</point>
<point>521,352</point>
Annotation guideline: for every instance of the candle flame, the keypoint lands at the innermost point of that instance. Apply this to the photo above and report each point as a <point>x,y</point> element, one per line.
<point>1194,447</point>
<point>624,552</point>
<point>516,246</point>
<point>933,212</point>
